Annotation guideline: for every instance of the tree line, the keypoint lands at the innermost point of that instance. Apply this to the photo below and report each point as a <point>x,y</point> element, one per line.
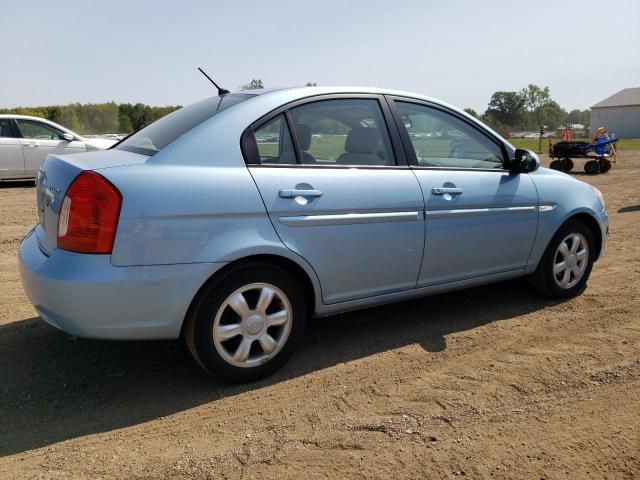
<point>527,109</point>
<point>98,117</point>
<point>507,111</point>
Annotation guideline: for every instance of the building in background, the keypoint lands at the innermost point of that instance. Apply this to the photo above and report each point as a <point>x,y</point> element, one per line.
<point>619,114</point>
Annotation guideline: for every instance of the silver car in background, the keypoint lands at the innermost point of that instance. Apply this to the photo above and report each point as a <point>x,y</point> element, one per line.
<point>231,221</point>
<point>26,141</point>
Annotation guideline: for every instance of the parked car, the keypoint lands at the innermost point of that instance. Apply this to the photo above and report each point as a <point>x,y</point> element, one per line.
<point>191,228</point>
<point>26,141</point>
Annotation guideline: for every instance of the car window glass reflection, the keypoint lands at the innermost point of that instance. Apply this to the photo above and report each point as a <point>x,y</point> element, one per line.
<point>442,140</point>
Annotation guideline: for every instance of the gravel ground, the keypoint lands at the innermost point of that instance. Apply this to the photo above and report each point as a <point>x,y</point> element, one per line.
<point>492,382</point>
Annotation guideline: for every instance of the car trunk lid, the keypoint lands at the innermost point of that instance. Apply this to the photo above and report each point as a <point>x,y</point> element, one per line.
<point>56,174</point>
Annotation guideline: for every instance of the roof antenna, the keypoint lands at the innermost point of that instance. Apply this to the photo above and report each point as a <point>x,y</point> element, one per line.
<point>221,91</point>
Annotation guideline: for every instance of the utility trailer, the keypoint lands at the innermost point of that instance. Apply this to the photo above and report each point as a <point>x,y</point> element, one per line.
<point>602,146</point>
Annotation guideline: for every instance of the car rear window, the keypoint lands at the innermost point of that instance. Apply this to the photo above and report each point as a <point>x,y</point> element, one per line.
<point>154,137</point>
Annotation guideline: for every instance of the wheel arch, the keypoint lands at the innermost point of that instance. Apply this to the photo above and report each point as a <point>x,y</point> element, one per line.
<point>307,281</point>
<point>592,224</point>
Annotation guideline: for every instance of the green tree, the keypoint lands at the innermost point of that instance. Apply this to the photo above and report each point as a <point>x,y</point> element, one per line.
<point>541,109</point>
<point>471,112</point>
<point>535,97</point>
<point>69,118</point>
<point>579,116</point>
<point>124,124</point>
<point>254,84</point>
<point>506,108</point>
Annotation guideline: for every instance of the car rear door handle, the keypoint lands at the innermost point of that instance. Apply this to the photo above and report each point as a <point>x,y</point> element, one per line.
<point>299,192</point>
<point>445,190</point>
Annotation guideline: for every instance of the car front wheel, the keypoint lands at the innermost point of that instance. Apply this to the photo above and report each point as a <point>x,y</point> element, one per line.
<point>246,324</point>
<point>566,264</point>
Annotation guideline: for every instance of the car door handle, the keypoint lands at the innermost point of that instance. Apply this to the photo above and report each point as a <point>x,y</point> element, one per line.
<point>445,190</point>
<point>299,192</point>
<point>33,144</point>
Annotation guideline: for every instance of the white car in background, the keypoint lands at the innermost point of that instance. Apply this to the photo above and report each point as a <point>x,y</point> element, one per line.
<point>26,141</point>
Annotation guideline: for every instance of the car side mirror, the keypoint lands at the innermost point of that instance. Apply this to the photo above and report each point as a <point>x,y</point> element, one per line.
<point>68,137</point>
<point>524,161</point>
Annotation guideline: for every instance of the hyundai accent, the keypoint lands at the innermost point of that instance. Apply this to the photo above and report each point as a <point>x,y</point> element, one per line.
<point>233,220</point>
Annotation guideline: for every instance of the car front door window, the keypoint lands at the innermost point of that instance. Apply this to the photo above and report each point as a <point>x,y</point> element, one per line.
<point>38,131</point>
<point>440,139</point>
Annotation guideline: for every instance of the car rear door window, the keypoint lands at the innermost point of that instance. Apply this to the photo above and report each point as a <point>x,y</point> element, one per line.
<point>440,139</point>
<point>350,132</point>
<point>274,143</point>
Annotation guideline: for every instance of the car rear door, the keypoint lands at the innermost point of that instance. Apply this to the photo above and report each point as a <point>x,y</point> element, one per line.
<point>481,219</point>
<point>11,156</point>
<point>39,140</point>
<point>338,191</point>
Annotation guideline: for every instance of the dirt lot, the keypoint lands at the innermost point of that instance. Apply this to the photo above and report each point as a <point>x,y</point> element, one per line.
<point>493,382</point>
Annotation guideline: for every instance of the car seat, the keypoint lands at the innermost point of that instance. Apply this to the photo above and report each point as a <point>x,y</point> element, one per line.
<point>361,147</point>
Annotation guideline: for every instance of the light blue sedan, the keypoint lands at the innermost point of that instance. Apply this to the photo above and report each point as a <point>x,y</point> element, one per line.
<point>233,220</point>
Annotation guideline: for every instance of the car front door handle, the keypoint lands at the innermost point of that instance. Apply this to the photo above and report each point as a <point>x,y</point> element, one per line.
<point>445,190</point>
<point>299,192</point>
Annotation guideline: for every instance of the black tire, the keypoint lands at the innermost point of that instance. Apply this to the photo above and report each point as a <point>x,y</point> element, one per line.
<point>568,164</point>
<point>592,167</point>
<point>199,326</point>
<point>544,279</point>
<point>605,165</point>
<point>557,165</point>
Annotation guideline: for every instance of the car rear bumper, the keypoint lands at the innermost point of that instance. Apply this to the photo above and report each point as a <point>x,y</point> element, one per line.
<point>86,296</point>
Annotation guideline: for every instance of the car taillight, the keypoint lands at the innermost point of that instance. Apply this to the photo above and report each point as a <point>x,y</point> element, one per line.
<point>89,215</point>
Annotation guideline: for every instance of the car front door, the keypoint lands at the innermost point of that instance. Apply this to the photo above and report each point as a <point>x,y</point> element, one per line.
<point>39,140</point>
<point>480,218</point>
<point>11,156</point>
<point>331,176</point>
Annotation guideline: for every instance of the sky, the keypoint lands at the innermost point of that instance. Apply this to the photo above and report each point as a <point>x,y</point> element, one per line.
<point>67,51</point>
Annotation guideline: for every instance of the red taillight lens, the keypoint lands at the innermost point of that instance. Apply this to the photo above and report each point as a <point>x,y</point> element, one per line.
<point>89,215</point>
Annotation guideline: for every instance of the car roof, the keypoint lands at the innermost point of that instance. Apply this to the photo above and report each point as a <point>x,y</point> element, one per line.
<point>276,97</point>
<point>305,91</point>
<point>295,93</point>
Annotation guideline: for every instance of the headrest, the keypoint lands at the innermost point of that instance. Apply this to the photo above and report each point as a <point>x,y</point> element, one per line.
<point>303,135</point>
<point>363,140</point>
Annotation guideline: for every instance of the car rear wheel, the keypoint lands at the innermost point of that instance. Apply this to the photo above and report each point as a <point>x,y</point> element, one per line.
<point>247,323</point>
<point>566,264</point>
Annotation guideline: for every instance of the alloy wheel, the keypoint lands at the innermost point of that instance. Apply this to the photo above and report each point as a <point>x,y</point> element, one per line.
<point>252,325</point>
<point>571,260</point>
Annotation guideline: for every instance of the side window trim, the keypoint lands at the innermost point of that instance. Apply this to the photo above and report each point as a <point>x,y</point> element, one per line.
<point>408,146</point>
<point>294,138</point>
<point>15,129</point>
<point>249,147</point>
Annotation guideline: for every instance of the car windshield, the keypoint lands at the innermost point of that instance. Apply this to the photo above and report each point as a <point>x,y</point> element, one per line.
<point>154,137</point>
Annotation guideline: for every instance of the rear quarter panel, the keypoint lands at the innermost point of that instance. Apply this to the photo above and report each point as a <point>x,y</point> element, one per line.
<point>188,214</point>
<point>195,201</point>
